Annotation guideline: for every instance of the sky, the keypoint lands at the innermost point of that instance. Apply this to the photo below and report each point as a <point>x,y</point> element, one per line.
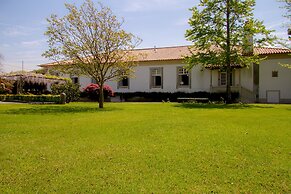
<point>158,23</point>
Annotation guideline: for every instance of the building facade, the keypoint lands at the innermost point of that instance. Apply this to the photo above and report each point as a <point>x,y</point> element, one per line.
<point>162,70</point>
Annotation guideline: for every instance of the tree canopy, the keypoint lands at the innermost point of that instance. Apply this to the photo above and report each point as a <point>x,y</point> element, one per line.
<point>92,41</point>
<point>287,15</point>
<point>287,7</point>
<point>223,33</point>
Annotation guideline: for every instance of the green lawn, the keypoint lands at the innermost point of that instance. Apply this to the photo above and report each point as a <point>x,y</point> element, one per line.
<point>145,148</point>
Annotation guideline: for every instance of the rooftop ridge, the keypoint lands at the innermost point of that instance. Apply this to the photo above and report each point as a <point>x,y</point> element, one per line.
<point>162,47</point>
<point>168,53</point>
<point>177,46</point>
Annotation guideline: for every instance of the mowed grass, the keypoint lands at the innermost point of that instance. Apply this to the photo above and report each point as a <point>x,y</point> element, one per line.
<point>145,148</point>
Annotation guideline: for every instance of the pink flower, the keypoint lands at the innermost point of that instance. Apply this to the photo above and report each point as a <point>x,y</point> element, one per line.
<point>94,89</point>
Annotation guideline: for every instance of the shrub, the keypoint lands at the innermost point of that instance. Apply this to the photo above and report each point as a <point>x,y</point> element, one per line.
<point>92,91</point>
<point>71,90</point>
<point>5,86</point>
<point>166,96</point>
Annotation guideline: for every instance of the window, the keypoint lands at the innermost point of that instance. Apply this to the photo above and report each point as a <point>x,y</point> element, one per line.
<point>124,83</point>
<point>274,73</point>
<point>156,77</point>
<point>183,77</point>
<point>75,80</point>
<point>222,79</point>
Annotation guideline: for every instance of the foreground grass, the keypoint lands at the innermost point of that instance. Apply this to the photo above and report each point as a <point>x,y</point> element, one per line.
<point>145,148</point>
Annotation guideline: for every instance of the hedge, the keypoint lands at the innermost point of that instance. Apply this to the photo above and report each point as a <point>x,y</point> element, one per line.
<point>31,98</point>
<point>167,96</point>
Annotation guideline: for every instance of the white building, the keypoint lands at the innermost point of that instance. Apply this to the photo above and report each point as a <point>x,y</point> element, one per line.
<point>161,70</point>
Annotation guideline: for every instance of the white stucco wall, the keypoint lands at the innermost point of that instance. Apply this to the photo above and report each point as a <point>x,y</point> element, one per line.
<point>200,80</point>
<point>140,82</point>
<point>84,81</point>
<point>237,77</point>
<point>246,77</point>
<point>282,83</point>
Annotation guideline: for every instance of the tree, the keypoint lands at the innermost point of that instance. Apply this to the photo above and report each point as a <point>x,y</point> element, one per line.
<point>90,40</point>
<point>287,15</point>
<point>223,33</point>
<point>287,7</point>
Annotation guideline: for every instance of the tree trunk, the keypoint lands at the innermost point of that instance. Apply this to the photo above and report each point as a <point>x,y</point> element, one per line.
<point>228,62</point>
<point>101,96</point>
<point>228,86</point>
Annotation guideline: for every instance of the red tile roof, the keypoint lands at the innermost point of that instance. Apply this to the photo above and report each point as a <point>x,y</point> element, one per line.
<point>178,52</point>
<point>270,51</point>
<point>162,54</point>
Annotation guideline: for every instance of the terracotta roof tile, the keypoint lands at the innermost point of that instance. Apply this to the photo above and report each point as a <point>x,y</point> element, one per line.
<point>162,54</point>
<point>178,52</point>
<point>269,51</point>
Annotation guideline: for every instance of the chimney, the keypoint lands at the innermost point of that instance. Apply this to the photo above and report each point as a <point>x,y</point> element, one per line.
<point>248,41</point>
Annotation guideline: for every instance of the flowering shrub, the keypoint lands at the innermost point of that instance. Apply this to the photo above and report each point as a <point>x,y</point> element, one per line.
<point>5,86</point>
<point>92,91</point>
<point>32,87</point>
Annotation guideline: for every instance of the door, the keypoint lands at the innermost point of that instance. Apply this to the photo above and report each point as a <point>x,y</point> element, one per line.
<point>273,96</point>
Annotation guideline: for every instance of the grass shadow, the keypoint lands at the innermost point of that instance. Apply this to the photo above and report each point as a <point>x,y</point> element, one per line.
<point>58,109</point>
<point>218,106</point>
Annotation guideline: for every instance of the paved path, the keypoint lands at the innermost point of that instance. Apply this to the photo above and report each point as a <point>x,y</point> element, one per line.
<point>10,102</point>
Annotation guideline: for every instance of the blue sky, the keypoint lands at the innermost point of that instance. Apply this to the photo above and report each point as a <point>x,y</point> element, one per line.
<point>158,22</point>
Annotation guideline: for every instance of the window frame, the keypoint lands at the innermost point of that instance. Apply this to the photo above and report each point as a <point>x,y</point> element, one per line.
<point>224,73</point>
<point>152,75</point>
<point>73,78</point>
<point>120,83</point>
<point>184,72</point>
<point>275,73</point>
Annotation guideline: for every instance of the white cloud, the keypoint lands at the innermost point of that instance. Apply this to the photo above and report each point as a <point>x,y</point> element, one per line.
<point>33,43</point>
<point>11,30</point>
<point>278,24</point>
<point>14,31</point>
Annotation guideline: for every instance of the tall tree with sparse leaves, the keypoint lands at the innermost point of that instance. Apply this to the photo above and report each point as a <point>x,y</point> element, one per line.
<point>286,43</point>
<point>223,33</point>
<point>287,7</point>
<point>90,40</point>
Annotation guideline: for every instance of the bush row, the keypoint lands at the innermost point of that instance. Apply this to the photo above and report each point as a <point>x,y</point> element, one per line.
<point>164,96</point>
<point>31,98</point>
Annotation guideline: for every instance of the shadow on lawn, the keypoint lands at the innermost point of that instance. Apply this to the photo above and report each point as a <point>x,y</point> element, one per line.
<point>218,106</point>
<point>58,109</point>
